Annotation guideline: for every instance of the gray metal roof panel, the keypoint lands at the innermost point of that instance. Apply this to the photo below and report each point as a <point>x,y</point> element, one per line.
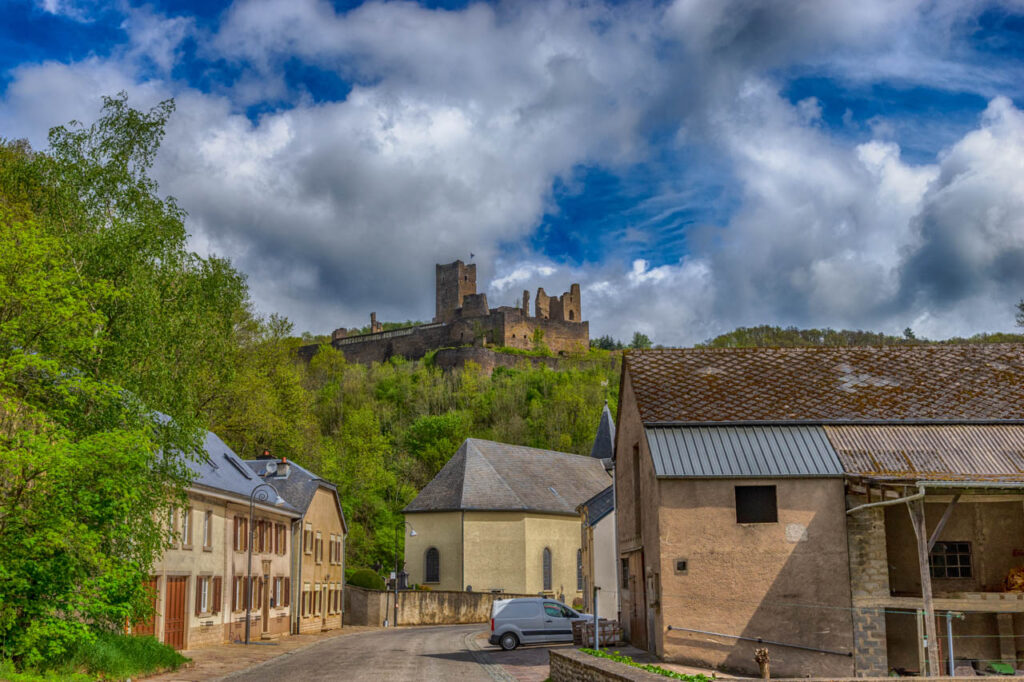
<point>742,451</point>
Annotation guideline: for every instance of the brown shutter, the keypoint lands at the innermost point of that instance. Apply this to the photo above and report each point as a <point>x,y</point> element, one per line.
<point>199,595</point>
<point>216,595</point>
<point>235,536</point>
<point>234,594</point>
<point>287,591</point>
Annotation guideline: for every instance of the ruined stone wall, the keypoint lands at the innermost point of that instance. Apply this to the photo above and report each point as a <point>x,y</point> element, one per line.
<point>454,281</point>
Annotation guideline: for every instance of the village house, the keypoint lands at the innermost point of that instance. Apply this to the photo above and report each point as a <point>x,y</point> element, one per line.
<point>847,504</point>
<point>318,541</point>
<point>200,583</point>
<point>599,555</point>
<point>503,518</point>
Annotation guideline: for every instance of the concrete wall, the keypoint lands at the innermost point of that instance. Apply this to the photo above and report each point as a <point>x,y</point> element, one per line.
<point>372,607</point>
<point>787,581</point>
<point>495,551</point>
<point>323,516</point>
<point>606,575</point>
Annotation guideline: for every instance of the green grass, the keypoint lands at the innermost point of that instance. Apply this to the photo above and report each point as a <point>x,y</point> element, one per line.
<point>657,670</point>
<point>110,657</point>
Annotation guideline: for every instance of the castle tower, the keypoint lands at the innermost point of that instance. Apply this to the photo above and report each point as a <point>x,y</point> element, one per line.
<point>455,281</point>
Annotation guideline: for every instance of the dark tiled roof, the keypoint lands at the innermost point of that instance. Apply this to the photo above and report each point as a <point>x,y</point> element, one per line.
<point>604,442</point>
<point>975,382</point>
<point>742,451</point>
<point>599,506</point>
<point>975,452</point>
<point>299,487</point>
<point>484,475</point>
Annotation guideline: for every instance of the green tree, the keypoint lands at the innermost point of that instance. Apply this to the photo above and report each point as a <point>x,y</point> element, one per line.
<point>640,341</point>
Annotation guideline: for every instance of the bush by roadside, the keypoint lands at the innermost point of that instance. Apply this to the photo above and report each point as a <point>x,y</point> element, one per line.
<point>109,657</point>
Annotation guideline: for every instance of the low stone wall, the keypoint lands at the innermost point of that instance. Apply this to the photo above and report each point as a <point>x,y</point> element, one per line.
<point>569,665</point>
<point>371,607</point>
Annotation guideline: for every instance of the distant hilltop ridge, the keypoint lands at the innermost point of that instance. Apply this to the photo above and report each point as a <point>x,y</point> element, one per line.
<point>463,318</point>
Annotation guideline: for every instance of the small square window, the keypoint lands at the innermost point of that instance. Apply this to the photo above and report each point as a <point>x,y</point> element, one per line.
<point>680,566</point>
<point>756,504</point>
<point>951,560</point>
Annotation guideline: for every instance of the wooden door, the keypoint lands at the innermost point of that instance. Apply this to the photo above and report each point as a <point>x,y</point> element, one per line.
<point>637,601</point>
<point>174,611</point>
<point>148,626</point>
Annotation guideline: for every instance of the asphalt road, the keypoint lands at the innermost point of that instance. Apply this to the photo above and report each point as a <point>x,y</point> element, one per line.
<point>445,653</point>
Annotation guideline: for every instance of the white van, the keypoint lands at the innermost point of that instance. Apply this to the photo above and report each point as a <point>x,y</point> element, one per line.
<point>531,619</point>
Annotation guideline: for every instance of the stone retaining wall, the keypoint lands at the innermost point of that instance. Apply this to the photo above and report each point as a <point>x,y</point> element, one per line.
<point>371,607</point>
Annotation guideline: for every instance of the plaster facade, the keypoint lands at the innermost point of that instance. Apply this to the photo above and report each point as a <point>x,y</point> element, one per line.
<point>205,558</point>
<point>600,563</point>
<point>319,558</point>
<point>495,551</point>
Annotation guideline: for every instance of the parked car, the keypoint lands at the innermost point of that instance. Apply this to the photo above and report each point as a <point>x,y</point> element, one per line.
<point>527,620</point>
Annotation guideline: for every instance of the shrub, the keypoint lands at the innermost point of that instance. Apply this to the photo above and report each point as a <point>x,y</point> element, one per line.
<point>365,577</point>
<point>657,670</point>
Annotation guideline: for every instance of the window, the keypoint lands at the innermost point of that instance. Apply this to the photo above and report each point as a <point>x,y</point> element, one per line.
<point>319,547</point>
<point>579,569</point>
<point>207,527</point>
<point>238,593</point>
<point>951,560</point>
<point>307,601</point>
<point>624,569</point>
<point>317,602</point>
<point>241,533</point>
<point>307,539</point>
<point>202,595</point>
<point>547,569</point>
<point>681,565</point>
<point>553,610</point>
<point>756,504</point>
<point>433,569</point>
<point>186,527</point>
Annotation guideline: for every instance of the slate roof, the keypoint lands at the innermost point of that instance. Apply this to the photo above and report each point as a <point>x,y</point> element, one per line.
<point>300,485</point>
<point>599,506</point>
<point>487,476</point>
<point>971,382</point>
<point>604,442</point>
<point>742,451</point>
<point>225,472</point>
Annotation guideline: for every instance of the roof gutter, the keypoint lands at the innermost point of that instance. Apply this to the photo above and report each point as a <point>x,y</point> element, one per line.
<point>240,499</point>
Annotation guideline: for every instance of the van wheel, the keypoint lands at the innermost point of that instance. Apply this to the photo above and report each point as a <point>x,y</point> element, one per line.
<point>509,641</point>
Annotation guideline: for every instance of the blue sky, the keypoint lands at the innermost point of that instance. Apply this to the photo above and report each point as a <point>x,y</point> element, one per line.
<point>696,164</point>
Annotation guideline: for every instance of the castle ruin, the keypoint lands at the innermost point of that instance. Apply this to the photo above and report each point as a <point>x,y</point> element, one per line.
<point>462,317</point>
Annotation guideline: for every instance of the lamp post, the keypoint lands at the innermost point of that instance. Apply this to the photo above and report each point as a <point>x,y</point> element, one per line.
<point>258,493</point>
<point>412,534</point>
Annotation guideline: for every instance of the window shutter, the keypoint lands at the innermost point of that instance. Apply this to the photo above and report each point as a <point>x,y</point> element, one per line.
<point>234,594</point>
<point>216,594</point>
<point>235,541</point>
<point>287,591</point>
<point>199,595</point>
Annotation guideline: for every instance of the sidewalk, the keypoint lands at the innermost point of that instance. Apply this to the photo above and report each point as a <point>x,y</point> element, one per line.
<point>210,663</point>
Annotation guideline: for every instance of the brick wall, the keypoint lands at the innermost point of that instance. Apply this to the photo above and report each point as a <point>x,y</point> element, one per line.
<point>869,579</point>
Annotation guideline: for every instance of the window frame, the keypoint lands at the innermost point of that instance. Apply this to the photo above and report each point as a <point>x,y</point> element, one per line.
<point>437,566</point>
<point>942,572</point>
<point>186,528</point>
<point>546,569</point>
<point>207,529</point>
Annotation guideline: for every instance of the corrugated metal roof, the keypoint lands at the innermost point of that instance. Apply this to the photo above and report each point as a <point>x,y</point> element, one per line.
<point>742,451</point>
<point>941,453</point>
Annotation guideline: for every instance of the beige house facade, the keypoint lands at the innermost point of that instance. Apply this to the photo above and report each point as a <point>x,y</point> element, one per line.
<point>502,518</point>
<point>318,559</point>
<point>200,584</point>
<point>599,556</point>
<point>843,503</point>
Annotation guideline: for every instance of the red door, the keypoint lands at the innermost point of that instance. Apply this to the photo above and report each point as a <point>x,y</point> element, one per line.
<point>148,626</point>
<point>174,612</point>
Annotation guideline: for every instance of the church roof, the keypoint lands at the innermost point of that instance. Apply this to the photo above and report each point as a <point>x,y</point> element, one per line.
<point>487,476</point>
<point>604,443</point>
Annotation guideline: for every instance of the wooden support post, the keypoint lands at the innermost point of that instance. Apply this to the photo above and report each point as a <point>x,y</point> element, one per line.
<point>942,522</point>
<point>916,509</point>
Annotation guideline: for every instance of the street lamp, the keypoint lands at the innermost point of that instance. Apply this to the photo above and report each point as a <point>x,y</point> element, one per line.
<point>412,534</point>
<point>261,495</point>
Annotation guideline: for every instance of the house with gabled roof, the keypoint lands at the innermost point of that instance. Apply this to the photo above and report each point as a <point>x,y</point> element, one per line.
<point>856,510</point>
<point>200,585</point>
<point>501,517</point>
<point>318,543</point>
<point>599,555</point>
